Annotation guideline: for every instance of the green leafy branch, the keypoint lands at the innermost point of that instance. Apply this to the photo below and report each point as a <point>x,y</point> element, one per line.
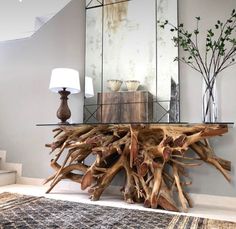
<point>220,47</point>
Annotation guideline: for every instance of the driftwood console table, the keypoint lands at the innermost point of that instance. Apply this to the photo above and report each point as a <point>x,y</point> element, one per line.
<point>153,156</point>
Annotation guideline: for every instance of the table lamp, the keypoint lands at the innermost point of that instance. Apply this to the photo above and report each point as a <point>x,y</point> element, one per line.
<point>64,81</point>
<point>89,91</point>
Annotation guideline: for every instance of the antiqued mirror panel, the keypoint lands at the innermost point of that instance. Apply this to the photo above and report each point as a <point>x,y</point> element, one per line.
<point>129,61</point>
<point>129,44</point>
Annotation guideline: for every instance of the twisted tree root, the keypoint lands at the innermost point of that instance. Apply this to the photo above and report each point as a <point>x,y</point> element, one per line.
<point>153,157</point>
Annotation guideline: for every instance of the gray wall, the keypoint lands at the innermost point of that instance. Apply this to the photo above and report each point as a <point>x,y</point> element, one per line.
<point>25,68</point>
<point>206,179</point>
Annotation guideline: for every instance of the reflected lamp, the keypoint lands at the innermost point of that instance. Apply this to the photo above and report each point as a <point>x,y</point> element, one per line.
<point>89,91</point>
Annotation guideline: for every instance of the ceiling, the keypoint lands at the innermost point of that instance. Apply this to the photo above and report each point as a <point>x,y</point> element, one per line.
<point>21,18</point>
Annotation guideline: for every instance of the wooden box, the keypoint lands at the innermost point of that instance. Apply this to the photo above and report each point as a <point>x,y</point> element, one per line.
<point>125,106</point>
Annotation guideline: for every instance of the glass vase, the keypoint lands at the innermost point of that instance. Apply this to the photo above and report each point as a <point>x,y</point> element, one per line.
<point>209,100</point>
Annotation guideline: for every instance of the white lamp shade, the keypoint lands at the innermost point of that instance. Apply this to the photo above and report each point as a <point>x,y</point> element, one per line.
<point>65,78</point>
<point>89,92</point>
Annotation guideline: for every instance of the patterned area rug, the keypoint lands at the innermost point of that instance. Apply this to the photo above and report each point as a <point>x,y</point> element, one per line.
<point>20,211</point>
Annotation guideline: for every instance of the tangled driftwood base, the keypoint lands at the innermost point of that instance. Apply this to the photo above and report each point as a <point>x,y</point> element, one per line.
<point>154,158</point>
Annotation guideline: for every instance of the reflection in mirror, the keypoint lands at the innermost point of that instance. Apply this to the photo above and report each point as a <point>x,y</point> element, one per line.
<point>131,62</point>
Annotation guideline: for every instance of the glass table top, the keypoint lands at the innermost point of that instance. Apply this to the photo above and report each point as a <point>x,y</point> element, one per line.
<point>229,124</point>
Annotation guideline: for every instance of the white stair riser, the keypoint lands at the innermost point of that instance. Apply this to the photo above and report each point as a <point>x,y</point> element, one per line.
<point>7,178</point>
<point>13,170</point>
<point>4,165</point>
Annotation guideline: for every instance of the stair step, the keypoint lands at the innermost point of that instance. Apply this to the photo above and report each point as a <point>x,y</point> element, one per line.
<point>7,177</point>
<point>6,171</point>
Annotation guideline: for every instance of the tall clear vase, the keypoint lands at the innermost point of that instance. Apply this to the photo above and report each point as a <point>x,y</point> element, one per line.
<point>209,100</point>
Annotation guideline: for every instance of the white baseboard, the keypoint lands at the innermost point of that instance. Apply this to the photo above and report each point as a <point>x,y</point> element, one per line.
<point>213,200</point>
<point>29,181</point>
<point>198,199</point>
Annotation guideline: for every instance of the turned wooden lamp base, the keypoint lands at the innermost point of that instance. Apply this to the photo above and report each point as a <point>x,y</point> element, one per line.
<point>63,112</point>
<point>153,157</point>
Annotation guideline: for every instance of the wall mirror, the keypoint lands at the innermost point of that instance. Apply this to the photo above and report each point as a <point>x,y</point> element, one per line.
<point>125,45</point>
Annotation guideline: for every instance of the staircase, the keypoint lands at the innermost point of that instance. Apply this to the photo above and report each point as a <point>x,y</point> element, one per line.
<point>9,172</point>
